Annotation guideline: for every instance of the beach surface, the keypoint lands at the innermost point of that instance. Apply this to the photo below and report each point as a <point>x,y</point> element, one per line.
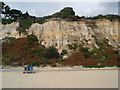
<point>61,79</point>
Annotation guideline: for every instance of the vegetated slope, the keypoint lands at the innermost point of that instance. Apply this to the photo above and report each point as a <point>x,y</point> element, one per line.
<point>106,55</point>
<point>21,51</point>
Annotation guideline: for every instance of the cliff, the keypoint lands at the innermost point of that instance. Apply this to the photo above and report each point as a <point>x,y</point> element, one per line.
<point>60,33</point>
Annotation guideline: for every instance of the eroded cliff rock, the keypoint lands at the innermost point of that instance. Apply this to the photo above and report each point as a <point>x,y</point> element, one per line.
<point>60,33</point>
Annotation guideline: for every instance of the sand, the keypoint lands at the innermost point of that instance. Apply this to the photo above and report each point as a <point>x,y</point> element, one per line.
<point>61,79</point>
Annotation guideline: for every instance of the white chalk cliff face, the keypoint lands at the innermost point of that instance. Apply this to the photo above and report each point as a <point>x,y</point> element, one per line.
<point>60,33</point>
<point>9,30</point>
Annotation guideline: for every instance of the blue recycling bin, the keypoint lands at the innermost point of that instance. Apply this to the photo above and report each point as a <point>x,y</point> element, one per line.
<point>30,67</point>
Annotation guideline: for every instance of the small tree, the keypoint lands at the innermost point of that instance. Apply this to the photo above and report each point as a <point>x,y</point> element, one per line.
<point>51,52</point>
<point>25,15</point>
<point>14,13</point>
<point>32,38</point>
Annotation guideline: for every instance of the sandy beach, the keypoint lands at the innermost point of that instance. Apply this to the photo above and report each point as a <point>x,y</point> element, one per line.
<point>61,79</point>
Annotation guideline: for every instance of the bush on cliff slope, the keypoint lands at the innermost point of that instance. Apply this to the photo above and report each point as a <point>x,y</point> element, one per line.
<point>51,52</point>
<point>32,39</point>
<point>67,12</point>
<point>108,16</point>
<point>20,51</point>
<point>8,21</point>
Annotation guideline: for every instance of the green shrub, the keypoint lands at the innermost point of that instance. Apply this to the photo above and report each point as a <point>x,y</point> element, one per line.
<point>64,13</point>
<point>8,21</point>
<point>118,66</point>
<point>7,57</point>
<point>27,48</point>
<point>62,60</point>
<point>51,52</point>
<point>86,54</point>
<point>115,52</point>
<point>32,39</point>
<point>100,57</point>
<point>41,20</point>
<point>84,49</point>
<point>26,23</point>
<point>108,16</point>
<point>92,66</point>
<point>38,51</point>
